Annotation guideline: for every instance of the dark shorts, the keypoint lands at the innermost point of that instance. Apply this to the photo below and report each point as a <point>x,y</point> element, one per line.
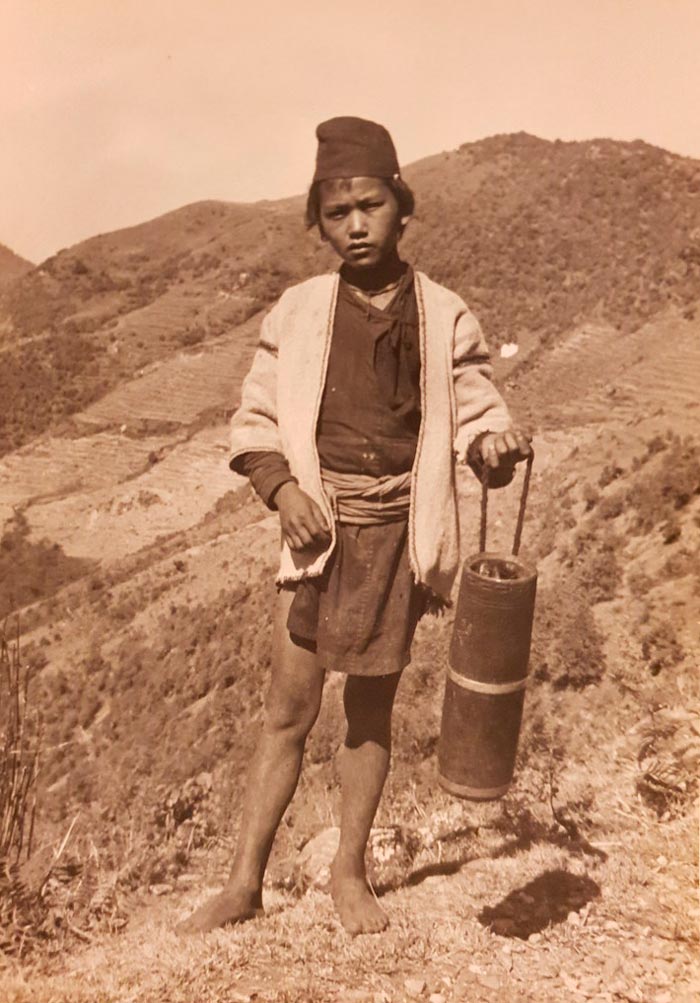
<point>361,614</point>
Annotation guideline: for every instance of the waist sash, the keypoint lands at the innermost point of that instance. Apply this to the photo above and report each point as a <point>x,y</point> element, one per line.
<point>366,501</point>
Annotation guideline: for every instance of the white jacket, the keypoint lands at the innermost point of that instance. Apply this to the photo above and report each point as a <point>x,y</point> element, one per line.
<point>281,398</point>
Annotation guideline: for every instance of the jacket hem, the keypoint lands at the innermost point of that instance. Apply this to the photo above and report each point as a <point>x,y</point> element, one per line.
<point>412,549</point>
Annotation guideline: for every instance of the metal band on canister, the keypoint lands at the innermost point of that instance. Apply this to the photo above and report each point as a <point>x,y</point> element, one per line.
<point>476,686</point>
<point>475,793</point>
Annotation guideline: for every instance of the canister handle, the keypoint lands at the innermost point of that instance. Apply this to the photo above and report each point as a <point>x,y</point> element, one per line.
<point>521,510</point>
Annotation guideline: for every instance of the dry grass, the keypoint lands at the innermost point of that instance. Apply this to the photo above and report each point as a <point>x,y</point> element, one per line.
<point>626,939</point>
<point>601,884</point>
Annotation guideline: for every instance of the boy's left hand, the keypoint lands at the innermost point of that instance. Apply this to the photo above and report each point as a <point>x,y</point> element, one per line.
<point>500,451</point>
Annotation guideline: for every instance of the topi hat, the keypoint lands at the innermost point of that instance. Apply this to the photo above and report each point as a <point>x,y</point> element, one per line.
<point>350,147</point>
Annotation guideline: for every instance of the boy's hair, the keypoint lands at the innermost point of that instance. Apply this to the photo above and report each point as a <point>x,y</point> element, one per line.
<point>400,190</point>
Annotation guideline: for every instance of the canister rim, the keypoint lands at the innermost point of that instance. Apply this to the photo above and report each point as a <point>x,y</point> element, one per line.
<point>527,572</point>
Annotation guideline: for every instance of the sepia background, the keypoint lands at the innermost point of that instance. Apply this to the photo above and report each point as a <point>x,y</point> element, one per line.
<point>154,162</point>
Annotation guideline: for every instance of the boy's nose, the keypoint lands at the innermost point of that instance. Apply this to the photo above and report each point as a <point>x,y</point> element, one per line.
<point>358,223</point>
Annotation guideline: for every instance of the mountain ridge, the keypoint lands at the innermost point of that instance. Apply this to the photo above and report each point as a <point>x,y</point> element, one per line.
<point>537,236</point>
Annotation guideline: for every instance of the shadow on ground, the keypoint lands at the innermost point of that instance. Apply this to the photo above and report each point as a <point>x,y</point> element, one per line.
<point>546,900</point>
<point>515,833</point>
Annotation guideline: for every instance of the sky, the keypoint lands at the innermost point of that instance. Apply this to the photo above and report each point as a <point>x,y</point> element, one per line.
<point>112,113</point>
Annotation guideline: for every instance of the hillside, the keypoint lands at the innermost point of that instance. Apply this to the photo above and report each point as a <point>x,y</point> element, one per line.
<point>93,316</point>
<point>12,266</point>
<point>537,236</point>
<point>149,671</point>
<point>142,570</point>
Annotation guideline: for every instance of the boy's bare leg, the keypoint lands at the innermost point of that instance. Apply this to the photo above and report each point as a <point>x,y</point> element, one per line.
<point>291,707</point>
<point>364,766</point>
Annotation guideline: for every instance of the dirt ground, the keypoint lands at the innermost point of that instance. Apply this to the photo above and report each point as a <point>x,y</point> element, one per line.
<point>513,911</point>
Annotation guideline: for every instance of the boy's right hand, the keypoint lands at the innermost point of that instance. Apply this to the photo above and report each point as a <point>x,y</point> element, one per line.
<point>303,522</point>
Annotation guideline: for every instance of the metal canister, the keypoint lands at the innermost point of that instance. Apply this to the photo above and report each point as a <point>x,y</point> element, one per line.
<point>486,676</point>
<point>487,668</point>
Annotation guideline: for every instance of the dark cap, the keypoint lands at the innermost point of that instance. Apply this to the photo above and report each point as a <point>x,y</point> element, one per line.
<point>351,147</point>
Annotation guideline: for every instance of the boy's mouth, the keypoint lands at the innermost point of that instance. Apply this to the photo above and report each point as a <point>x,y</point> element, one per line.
<point>359,248</point>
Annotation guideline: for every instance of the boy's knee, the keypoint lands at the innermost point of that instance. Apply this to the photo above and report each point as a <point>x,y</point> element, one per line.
<point>374,730</point>
<point>291,713</point>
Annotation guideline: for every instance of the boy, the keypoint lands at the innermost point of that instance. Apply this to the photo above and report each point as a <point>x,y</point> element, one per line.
<point>366,387</point>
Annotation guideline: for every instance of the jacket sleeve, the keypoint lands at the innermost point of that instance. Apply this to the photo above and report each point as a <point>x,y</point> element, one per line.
<point>254,425</point>
<point>478,405</point>
<point>267,472</point>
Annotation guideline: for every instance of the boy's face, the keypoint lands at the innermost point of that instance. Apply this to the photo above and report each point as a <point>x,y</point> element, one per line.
<point>360,219</point>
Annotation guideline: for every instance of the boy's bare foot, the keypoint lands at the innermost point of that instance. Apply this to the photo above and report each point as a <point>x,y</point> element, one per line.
<point>228,907</point>
<point>357,908</point>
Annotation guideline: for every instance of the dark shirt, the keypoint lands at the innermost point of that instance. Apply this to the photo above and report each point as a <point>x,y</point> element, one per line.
<point>370,411</point>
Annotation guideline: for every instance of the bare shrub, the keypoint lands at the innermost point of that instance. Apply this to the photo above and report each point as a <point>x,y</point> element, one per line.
<point>31,570</point>
<point>591,496</point>
<point>19,763</point>
<point>608,474</point>
<point>567,647</point>
<point>661,648</point>
<point>21,911</point>
<point>676,481</point>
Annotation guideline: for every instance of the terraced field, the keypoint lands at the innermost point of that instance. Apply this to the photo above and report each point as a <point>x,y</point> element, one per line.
<point>168,497</point>
<point>598,373</point>
<point>148,459</point>
<point>184,386</point>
